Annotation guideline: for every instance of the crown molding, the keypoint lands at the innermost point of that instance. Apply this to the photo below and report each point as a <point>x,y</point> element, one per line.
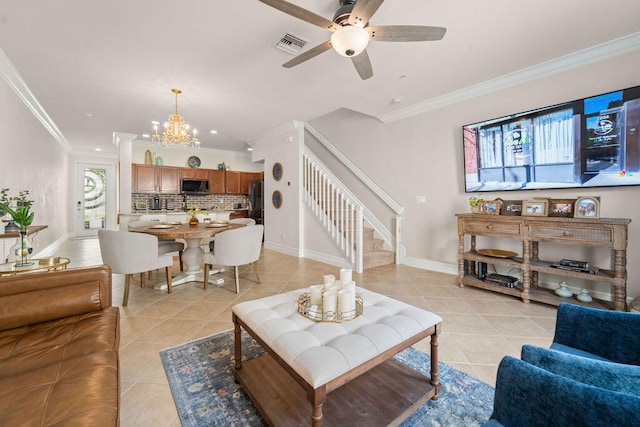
<point>276,132</point>
<point>597,53</point>
<point>96,154</point>
<point>19,86</point>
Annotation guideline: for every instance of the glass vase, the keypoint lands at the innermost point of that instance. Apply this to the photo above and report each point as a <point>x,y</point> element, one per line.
<point>194,221</point>
<point>24,250</point>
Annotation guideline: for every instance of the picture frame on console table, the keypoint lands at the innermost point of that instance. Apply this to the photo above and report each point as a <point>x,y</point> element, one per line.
<point>511,207</point>
<point>489,207</point>
<point>562,208</point>
<point>536,207</point>
<point>587,207</point>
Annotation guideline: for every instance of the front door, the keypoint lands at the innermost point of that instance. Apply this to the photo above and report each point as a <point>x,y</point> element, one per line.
<point>95,198</point>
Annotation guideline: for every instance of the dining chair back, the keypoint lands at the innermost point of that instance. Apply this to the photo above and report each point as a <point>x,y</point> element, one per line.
<point>164,246</point>
<point>131,253</point>
<point>236,247</point>
<point>245,221</point>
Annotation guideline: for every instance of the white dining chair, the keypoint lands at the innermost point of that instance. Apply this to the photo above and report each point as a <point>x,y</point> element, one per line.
<point>172,247</point>
<point>131,253</point>
<point>236,247</point>
<point>245,221</point>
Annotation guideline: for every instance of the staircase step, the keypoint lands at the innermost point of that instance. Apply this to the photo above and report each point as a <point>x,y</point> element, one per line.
<point>377,258</point>
<point>371,245</point>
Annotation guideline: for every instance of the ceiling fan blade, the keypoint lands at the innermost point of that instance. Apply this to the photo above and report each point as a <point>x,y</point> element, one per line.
<point>363,11</point>
<point>311,53</point>
<point>363,65</point>
<point>301,13</point>
<point>405,33</point>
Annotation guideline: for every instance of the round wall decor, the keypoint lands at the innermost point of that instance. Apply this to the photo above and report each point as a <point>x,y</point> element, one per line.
<point>194,162</point>
<point>277,171</point>
<point>276,199</point>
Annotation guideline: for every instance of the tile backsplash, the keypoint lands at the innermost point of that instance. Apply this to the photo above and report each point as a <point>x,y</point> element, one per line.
<point>211,202</point>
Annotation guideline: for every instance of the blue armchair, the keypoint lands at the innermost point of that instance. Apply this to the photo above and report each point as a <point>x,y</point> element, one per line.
<point>529,396</point>
<point>589,376</point>
<point>598,334</point>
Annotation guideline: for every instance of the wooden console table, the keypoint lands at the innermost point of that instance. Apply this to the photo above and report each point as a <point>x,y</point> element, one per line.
<point>603,232</point>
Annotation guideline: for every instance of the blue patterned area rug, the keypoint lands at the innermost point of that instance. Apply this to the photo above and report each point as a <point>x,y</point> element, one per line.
<point>200,375</point>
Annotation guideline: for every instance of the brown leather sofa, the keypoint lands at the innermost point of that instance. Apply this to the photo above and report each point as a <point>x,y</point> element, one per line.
<point>59,340</point>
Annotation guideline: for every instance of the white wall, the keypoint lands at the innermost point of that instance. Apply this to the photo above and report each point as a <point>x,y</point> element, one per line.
<point>30,159</point>
<point>209,158</point>
<point>422,155</point>
<point>282,227</point>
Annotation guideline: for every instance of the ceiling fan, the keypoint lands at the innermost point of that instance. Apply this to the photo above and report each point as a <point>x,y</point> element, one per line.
<point>352,33</point>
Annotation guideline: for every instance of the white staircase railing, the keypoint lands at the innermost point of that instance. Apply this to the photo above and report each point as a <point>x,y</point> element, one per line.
<point>314,169</point>
<point>338,211</point>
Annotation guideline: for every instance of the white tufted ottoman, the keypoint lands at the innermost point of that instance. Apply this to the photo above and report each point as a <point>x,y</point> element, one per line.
<point>352,360</point>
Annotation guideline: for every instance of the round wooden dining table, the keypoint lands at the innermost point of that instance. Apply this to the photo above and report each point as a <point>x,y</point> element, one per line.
<point>193,255</point>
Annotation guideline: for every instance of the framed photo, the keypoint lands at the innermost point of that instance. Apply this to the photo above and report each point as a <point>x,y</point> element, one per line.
<point>511,207</point>
<point>561,207</point>
<point>536,207</point>
<point>587,207</point>
<point>489,207</point>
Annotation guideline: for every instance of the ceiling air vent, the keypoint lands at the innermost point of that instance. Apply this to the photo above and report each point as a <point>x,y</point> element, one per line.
<point>291,43</point>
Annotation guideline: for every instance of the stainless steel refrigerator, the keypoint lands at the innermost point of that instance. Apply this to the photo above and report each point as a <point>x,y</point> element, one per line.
<point>256,201</point>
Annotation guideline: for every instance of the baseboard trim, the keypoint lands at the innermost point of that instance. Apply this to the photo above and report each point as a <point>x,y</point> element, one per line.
<point>53,247</point>
<point>425,264</point>
<point>287,250</point>
<point>327,259</point>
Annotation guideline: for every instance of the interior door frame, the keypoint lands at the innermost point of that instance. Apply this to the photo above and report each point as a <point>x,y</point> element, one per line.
<point>111,202</point>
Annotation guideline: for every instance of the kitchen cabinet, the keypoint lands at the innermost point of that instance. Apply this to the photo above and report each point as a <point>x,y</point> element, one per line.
<point>169,179</point>
<point>195,173</point>
<point>589,232</point>
<point>144,179</point>
<point>232,182</point>
<point>216,181</point>
<point>246,178</point>
<point>155,179</point>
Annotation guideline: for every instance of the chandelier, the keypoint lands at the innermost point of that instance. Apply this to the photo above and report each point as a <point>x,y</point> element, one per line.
<point>176,132</point>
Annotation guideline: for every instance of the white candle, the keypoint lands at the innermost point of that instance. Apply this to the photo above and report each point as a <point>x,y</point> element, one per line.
<point>329,302</point>
<point>316,294</point>
<point>332,287</point>
<point>345,275</point>
<point>347,302</point>
<point>349,286</point>
<point>328,278</point>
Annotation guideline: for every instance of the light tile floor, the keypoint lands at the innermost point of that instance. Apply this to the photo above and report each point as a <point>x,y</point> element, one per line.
<point>479,327</point>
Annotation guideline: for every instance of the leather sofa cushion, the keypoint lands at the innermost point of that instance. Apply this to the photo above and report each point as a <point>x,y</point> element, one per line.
<point>26,299</point>
<point>81,391</point>
<point>30,347</point>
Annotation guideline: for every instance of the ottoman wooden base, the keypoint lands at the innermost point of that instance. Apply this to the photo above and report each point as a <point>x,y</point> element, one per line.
<point>385,395</point>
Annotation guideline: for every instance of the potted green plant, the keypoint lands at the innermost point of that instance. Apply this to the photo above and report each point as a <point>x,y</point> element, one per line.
<point>474,203</point>
<point>22,214</point>
<point>23,217</point>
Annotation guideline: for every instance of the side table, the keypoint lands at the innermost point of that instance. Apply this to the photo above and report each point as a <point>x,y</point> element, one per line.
<point>39,264</point>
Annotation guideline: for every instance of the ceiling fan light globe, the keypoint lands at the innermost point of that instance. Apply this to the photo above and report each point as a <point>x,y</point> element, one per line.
<point>350,40</point>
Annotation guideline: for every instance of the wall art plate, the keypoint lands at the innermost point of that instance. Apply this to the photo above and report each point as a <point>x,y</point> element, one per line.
<point>276,171</point>
<point>276,199</point>
<point>194,162</point>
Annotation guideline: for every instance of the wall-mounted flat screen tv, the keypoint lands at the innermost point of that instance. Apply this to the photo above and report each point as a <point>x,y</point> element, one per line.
<point>590,142</point>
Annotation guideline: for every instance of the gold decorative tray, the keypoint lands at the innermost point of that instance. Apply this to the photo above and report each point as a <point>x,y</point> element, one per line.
<point>315,313</point>
<point>497,253</point>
